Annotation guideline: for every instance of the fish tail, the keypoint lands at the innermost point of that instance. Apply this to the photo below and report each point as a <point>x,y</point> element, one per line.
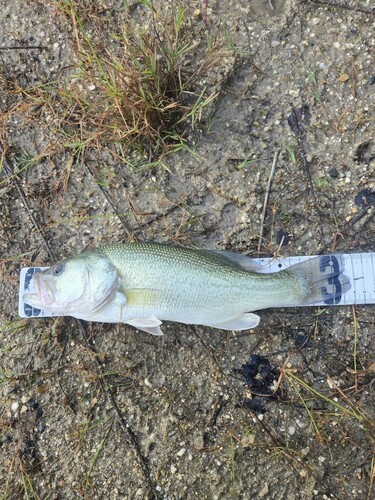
<point>321,279</point>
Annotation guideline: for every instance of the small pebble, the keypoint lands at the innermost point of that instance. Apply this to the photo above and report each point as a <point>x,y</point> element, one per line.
<point>31,404</point>
<point>197,14</point>
<point>39,412</point>
<point>291,430</point>
<point>41,427</point>
<point>294,92</point>
<point>282,237</point>
<point>5,439</point>
<point>15,406</point>
<point>333,173</point>
<point>8,389</point>
<point>199,442</point>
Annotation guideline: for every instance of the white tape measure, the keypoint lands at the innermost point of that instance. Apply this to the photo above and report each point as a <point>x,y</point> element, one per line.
<point>358,267</point>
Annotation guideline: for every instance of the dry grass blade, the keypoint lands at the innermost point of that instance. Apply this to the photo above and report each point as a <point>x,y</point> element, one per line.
<point>265,204</point>
<point>372,477</point>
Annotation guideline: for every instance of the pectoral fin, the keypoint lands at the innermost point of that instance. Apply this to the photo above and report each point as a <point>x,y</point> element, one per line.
<point>146,297</point>
<point>148,325</point>
<point>244,322</point>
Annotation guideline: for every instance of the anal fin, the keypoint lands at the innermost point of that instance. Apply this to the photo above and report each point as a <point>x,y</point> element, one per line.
<point>246,321</point>
<point>148,325</point>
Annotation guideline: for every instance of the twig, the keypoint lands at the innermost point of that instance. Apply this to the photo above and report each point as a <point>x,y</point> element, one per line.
<point>372,477</point>
<point>110,202</point>
<point>129,434</point>
<point>332,3</point>
<point>206,12</point>
<point>268,190</point>
<point>27,47</point>
<point>156,217</point>
<point>297,121</point>
<point>355,341</point>
<point>359,216</point>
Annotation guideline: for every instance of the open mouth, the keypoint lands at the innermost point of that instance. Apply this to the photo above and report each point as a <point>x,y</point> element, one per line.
<point>44,294</point>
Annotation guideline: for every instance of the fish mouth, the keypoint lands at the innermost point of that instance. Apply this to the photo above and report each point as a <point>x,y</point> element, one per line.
<point>44,295</point>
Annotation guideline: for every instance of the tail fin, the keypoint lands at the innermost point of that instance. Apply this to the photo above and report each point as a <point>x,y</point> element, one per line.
<point>322,279</point>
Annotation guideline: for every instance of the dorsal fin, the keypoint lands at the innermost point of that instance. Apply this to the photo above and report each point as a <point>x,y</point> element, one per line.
<point>240,259</point>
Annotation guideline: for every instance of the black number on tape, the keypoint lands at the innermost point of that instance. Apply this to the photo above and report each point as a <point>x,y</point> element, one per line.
<point>29,310</point>
<point>331,262</point>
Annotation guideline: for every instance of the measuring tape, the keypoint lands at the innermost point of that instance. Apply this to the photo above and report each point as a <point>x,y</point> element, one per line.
<point>358,267</point>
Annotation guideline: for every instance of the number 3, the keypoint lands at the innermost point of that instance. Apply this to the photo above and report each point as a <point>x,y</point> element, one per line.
<point>332,263</point>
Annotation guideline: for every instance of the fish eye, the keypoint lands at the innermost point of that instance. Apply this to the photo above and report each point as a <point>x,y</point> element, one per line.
<point>58,269</point>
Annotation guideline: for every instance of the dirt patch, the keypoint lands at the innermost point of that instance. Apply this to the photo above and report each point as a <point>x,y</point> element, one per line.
<point>111,412</point>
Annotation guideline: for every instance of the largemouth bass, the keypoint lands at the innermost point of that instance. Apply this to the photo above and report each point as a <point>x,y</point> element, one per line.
<point>143,284</point>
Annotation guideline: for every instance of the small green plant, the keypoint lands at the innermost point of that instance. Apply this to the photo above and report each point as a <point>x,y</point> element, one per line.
<point>320,183</point>
<point>86,480</point>
<point>5,375</point>
<point>133,88</point>
<point>22,164</point>
<point>28,487</point>
<point>247,162</point>
<point>25,160</point>
<point>234,487</point>
<point>312,77</point>
<point>291,150</point>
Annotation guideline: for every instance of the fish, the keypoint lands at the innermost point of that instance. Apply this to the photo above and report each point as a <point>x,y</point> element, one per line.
<point>144,284</point>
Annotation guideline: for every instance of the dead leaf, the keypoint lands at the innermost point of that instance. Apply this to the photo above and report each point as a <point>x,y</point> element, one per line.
<point>344,77</point>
